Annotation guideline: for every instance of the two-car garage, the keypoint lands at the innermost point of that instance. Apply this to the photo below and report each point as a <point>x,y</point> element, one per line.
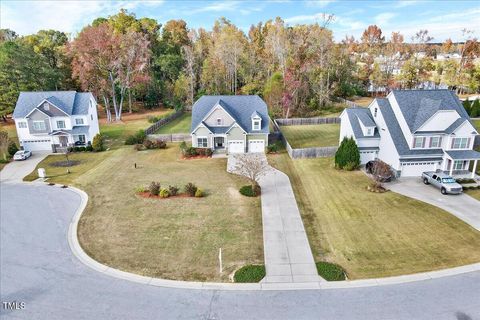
<point>238,146</point>
<point>416,168</point>
<point>37,145</point>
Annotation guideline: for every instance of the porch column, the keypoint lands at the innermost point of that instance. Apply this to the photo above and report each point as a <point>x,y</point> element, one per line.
<point>451,167</point>
<point>474,168</point>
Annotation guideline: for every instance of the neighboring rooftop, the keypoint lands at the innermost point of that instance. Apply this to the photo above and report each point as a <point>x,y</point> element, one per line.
<point>240,107</point>
<point>70,102</point>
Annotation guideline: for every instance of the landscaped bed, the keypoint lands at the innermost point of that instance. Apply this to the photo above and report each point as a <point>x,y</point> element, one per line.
<point>173,239</point>
<point>306,136</point>
<point>374,234</point>
<point>179,125</point>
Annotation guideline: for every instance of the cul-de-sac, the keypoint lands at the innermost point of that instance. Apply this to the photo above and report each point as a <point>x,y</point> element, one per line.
<point>239,160</point>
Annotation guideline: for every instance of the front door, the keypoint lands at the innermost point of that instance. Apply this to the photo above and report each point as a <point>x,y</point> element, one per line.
<point>219,142</point>
<point>63,141</point>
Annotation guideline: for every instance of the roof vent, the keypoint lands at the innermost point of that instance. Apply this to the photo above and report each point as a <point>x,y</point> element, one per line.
<point>46,106</point>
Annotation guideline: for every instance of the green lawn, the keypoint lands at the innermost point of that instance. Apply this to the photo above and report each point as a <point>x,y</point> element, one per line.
<point>175,238</point>
<point>473,193</point>
<point>477,124</point>
<point>370,234</point>
<point>179,125</point>
<point>116,132</point>
<point>320,135</point>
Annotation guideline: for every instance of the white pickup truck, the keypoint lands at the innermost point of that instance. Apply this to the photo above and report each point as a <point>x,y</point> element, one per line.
<point>445,183</point>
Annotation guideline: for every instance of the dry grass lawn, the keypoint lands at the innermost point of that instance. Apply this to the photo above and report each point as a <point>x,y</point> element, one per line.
<point>175,238</point>
<point>374,235</point>
<point>179,125</point>
<point>306,136</point>
<point>362,101</point>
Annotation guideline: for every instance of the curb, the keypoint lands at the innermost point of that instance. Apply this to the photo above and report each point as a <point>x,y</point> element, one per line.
<point>112,272</point>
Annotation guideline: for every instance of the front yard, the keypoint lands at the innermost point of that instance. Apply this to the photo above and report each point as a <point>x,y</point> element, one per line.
<point>369,234</point>
<point>175,238</point>
<point>306,136</point>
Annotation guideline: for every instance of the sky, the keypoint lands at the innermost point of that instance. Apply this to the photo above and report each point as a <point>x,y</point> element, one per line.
<point>443,19</point>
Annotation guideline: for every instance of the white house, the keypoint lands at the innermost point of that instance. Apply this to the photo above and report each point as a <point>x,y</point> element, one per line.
<point>54,120</point>
<point>414,131</point>
<point>230,124</point>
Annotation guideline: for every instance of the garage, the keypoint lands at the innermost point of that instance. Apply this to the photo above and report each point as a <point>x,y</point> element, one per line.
<point>256,146</point>
<point>415,169</point>
<point>236,146</point>
<point>366,156</point>
<point>37,145</point>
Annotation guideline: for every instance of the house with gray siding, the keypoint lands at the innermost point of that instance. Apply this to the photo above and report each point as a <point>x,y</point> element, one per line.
<point>414,131</point>
<point>230,124</point>
<point>55,120</point>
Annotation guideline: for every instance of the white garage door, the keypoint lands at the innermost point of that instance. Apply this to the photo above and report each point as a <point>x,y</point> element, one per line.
<point>236,146</point>
<point>37,145</point>
<point>415,169</point>
<point>256,146</point>
<point>366,156</point>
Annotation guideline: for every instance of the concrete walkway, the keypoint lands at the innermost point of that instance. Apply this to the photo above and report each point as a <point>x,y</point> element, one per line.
<point>16,170</point>
<point>288,257</point>
<point>462,206</point>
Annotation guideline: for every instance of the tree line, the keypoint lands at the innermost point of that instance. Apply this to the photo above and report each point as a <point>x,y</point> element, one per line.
<point>298,70</point>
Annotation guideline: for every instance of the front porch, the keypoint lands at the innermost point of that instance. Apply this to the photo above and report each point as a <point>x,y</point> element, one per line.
<point>458,164</point>
<point>62,140</point>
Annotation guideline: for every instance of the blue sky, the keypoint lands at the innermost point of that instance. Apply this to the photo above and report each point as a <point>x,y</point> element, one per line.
<point>444,19</point>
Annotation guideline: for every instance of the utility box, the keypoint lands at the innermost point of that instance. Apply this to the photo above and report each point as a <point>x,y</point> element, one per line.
<point>41,173</point>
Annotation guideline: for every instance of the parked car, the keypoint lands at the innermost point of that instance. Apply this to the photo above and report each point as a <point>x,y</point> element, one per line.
<point>442,181</point>
<point>22,155</point>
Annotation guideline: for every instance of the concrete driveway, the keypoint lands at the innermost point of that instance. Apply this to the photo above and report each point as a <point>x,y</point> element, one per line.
<point>38,268</point>
<point>16,170</point>
<point>462,206</point>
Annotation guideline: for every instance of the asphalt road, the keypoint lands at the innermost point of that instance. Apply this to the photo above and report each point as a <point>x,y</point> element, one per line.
<point>38,268</point>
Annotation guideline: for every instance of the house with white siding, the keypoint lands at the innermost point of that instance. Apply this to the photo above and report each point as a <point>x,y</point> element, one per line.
<point>55,120</point>
<point>230,124</point>
<point>414,131</point>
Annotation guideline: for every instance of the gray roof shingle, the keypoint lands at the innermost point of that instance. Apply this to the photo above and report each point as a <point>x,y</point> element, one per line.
<point>417,106</point>
<point>240,107</point>
<point>397,135</point>
<point>464,154</point>
<point>70,102</point>
<point>361,114</point>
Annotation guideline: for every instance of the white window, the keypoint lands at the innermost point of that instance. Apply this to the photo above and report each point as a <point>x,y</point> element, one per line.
<point>256,124</point>
<point>202,142</point>
<point>39,125</point>
<point>375,112</point>
<point>460,143</point>
<point>61,124</point>
<point>458,165</point>
<point>22,124</point>
<point>369,131</point>
<point>418,142</point>
<point>219,121</point>
<point>435,142</point>
<point>46,106</point>
<point>79,121</point>
<point>81,138</point>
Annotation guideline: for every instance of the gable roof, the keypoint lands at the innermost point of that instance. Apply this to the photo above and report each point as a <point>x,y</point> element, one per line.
<point>417,106</point>
<point>364,115</point>
<point>396,133</point>
<point>70,102</point>
<point>240,107</point>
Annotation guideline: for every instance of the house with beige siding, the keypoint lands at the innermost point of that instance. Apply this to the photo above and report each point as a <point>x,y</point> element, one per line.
<point>230,124</point>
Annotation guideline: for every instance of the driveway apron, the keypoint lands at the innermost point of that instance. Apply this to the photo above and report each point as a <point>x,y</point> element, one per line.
<point>16,170</point>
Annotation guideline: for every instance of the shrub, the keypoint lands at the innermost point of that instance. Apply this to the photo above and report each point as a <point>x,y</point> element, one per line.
<point>153,119</point>
<point>160,144</point>
<point>249,274</point>
<point>273,148</point>
<point>148,144</point>
<point>183,146</point>
<point>154,188</point>
<point>173,190</point>
<point>140,189</point>
<point>208,152</point>
<point>89,148</point>
<point>190,189</point>
<point>475,109</point>
<point>138,147</point>
<point>330,271</point>
<point>247,191</point>
<point>97,143</point>
<point>347,156</point>
<point>12,148</point>
<point>138,137</point>
<point>164,193</point>
<point>199,193</point>
<point>190,152</point>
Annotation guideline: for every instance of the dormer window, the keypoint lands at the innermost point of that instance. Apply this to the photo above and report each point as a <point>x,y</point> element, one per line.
<point>256,124</point>
<point>369,131</point>
<point>46,106</point>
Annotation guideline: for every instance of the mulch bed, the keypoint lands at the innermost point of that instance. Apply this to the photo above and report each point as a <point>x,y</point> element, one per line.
<point>65,163</point>
<point>195,157</point>
<point>147,194</point>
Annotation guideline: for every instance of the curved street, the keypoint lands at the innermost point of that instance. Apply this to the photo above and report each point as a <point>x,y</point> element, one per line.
<point>38,268</point>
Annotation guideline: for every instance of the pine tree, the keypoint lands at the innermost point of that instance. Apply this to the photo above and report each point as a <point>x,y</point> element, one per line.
<point>475,110</point>
<point>468,106</point>
<point>347,156</point>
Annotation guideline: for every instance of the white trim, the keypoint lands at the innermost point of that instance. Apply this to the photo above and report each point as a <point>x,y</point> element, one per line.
<point>237,126</point>
<point>45,100</point>
<point>38,111</point>
<point>433,115</point>
<point>39,121</point>
<point>200,125</point>
<point>201,137</point>
<point>215,107</point>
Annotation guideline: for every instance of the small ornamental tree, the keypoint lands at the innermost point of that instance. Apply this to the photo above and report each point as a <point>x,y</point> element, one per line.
<point>12,148</point>
<point>467,105</point>
<point>347,156</point>
<point>475,109</point>
<point>97,143</point>
<point>253,167</point>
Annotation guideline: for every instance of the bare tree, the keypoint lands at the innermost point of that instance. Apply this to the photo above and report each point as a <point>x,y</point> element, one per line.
<point>4,144</point>
<point>253,167</point>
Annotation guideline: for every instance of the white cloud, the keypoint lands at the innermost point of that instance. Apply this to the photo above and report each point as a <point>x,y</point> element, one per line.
<point>406,3</point>
<point>318,3</point>
<point>384,18</point>
<point>67,16</point>
<point>218,7</point>
<point>317,17</point>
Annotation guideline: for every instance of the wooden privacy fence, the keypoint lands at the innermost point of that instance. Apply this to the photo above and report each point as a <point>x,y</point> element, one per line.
<point>157,125</point>
<point>306,121</point>
<point>174,137</point>
<point>314,152</point>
